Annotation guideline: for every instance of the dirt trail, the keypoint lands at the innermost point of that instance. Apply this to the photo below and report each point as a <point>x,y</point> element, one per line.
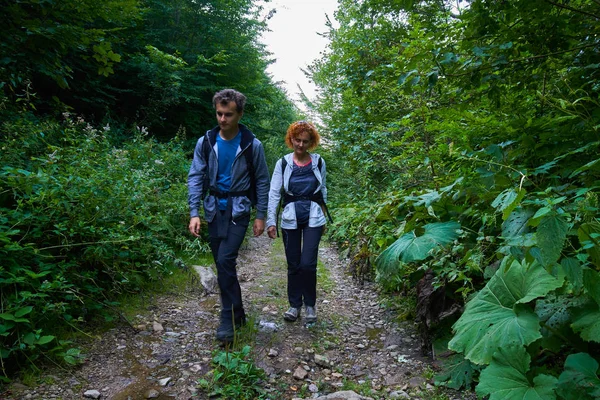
<point>355,345</point>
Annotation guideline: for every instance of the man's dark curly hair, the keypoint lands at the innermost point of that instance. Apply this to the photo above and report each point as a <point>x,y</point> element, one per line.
<point>227,95</point>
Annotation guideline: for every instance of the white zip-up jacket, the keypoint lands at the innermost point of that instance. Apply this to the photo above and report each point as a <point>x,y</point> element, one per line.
<point>288,214</point>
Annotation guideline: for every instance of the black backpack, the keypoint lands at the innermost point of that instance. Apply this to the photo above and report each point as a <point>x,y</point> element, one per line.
<point>207,143</point>
<point>286,198</point>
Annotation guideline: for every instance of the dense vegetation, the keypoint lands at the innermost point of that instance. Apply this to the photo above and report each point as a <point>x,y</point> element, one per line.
<point>463,140</point>
<point>101,105</point>
<point>465,145</point>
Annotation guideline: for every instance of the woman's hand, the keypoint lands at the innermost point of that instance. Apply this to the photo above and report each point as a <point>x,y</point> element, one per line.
<point>272,232</point>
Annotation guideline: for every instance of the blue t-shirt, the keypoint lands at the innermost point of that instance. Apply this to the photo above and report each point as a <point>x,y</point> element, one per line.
<point>227,150</point>
<point>303,182</point>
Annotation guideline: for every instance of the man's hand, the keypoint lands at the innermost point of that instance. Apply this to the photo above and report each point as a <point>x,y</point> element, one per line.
<point>259,227</point>
<point>195,225</point>
<point>272,232</point>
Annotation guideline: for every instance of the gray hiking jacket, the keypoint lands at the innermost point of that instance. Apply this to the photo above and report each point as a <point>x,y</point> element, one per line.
<point>240,178</point>
<point>288,215</point>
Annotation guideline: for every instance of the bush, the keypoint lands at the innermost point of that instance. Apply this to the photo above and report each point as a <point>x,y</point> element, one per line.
<point>81,221</point>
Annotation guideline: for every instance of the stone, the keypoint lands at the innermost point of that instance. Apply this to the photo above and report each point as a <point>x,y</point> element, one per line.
<point>157,327</point>
<point>344,395</point>
<point>417,382</point>
<point>152,394</point>
<point>92,394</point>
<point>164,381</point>
<point>195,368</point>
<point>313,388</point>
<point>300,373</point>
<point>273,353</point>
<point>321,360</point>
<point>208,279</point>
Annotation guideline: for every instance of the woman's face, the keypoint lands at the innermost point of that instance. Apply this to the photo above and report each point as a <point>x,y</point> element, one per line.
<point>301,143</point>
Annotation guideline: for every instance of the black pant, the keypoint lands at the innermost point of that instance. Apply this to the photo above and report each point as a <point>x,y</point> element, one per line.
<point>302,264</point>
<point>226,237</point>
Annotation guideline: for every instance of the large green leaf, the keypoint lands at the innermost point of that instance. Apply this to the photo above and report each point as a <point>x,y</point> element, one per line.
<point>586,321</point>
<point>516,224</point>
<point>508,200</point>
<point>410,247</point>
<point>498,315</point>
<point>553,310</point>
<point>579,380</point>
<point>457,373</point>
<point>573,272</point>
<point>551,235</point>
<point>506,378</point>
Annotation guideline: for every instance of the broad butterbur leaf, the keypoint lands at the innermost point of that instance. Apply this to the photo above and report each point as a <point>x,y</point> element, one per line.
<point>498,315</point>
<point>506,378</point>
<point>410,247</point>
<point>579,380</point>
<point>458,373</point>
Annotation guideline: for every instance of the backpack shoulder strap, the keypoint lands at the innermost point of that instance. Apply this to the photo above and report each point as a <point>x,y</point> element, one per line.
<point>283,165</point>
<point>248,141</point>
<point>207,143</point>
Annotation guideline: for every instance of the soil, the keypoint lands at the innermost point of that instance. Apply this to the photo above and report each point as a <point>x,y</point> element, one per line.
<point>357,343</point>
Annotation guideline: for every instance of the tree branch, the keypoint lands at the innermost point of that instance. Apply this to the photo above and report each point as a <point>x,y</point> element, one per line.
<point>573,9</point>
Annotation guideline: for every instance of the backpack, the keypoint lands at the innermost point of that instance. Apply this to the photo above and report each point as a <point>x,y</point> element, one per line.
<point>286,198</point>
<point>207,143</point>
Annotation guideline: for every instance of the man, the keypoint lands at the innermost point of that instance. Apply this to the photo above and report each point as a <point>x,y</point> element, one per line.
<point>225,174</point>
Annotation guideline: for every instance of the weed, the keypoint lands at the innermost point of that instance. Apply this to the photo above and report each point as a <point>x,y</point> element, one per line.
<point>234,376</point>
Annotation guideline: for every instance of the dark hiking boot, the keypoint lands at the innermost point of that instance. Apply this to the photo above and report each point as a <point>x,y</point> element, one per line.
<point>226,331</point>
<point>291,314</point>
<point>311,315</point>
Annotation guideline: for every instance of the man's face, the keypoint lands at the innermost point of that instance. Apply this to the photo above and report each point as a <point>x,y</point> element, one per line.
<point>228,116</point>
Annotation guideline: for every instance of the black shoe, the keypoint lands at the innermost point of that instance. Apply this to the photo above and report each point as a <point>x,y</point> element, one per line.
<point>226,332</point>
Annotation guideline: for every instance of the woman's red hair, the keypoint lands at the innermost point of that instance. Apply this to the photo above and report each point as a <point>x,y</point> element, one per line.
<point>296,128</point>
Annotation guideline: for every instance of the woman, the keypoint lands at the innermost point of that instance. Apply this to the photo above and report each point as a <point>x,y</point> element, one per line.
<point>299,177</point>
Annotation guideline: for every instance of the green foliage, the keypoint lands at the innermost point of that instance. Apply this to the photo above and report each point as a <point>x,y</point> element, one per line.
<point>234,376</point>
<point>580,379</point>
<point>81,221</point>
<point>410,247</point>
<point>154,63</point>
<point>506,377</point>
<point>483,113</point>
<point>498,316</point>
<point>458,372</point>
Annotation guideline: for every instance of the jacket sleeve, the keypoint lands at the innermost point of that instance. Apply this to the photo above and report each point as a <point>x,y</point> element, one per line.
<point>196,179</point>
<point>261,176</point>
<point>274,194</point>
